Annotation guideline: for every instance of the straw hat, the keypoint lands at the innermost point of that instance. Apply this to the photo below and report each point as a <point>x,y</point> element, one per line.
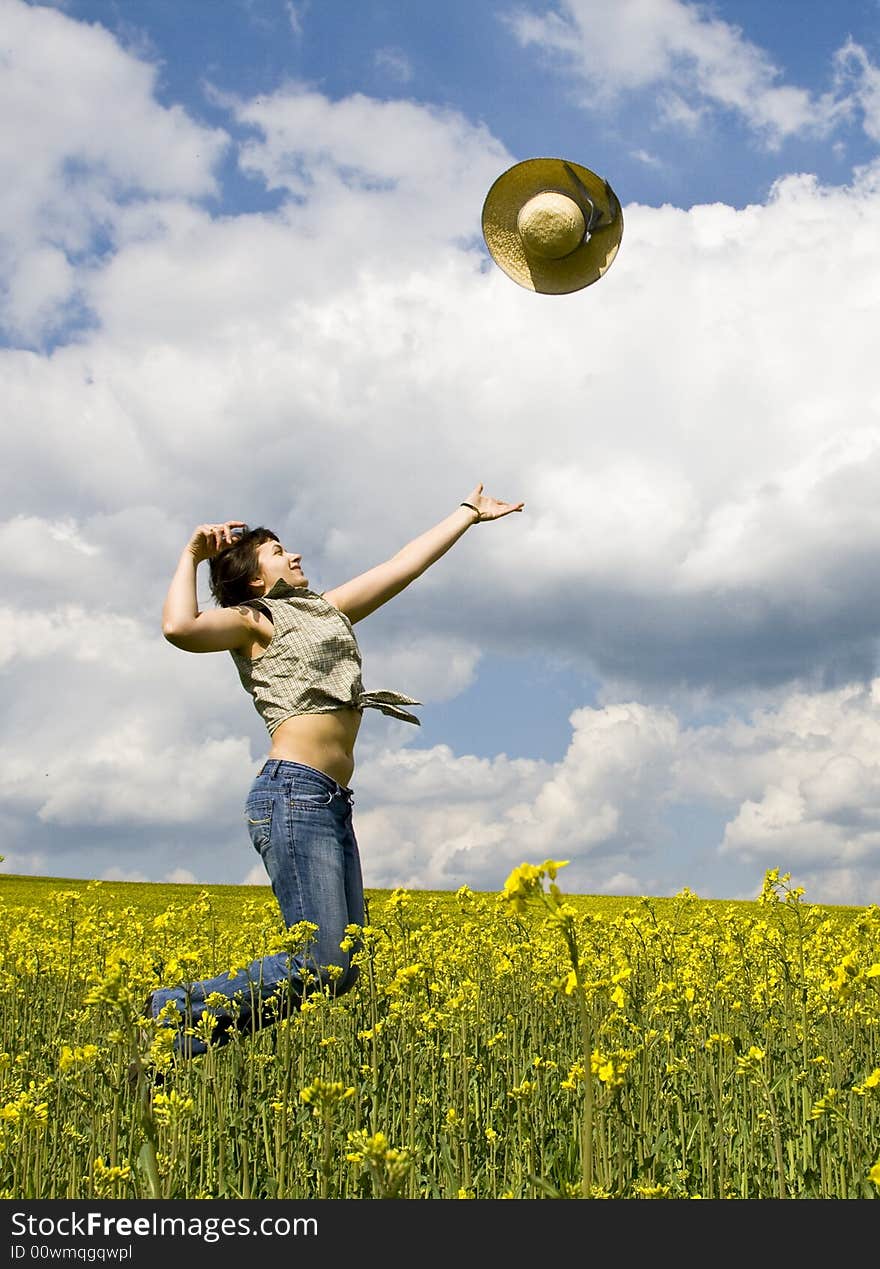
<point>551,225</point>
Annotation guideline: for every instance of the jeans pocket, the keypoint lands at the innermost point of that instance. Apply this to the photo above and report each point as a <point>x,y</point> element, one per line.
<point>302,800</point>
<point>305,793</point>
<point>258,813</point>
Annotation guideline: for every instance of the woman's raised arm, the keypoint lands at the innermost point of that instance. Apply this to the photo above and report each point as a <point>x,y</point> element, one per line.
<point>218,629</point>
<point>369,591</point>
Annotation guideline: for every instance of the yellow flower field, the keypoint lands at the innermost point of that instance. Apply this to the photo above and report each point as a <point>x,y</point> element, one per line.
<point>525,1044</point>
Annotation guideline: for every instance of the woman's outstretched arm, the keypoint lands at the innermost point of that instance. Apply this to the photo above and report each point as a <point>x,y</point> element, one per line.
<point>369,591</point>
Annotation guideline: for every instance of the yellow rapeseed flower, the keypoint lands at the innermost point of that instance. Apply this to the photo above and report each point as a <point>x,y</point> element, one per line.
<point>524,882</point>
<point>172,1107</point>
<point>84,1055</point>
<point>26,1111</point>
<point>324,1095</point>
<point>105,1177</point>
<point>750,1061</point>
<point>652,1191</point>
<point>825,1105</point>
<point>872,1081</point>
<point>575,1076</point>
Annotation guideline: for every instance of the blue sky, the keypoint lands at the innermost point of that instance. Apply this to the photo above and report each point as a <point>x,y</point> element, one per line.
<point>242,275</point>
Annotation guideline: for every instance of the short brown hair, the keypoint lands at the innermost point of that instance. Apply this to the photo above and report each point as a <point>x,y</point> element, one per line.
<point>234,569</point>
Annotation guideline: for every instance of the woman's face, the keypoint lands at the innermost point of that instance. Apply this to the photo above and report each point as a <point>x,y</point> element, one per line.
<point>277,564</point>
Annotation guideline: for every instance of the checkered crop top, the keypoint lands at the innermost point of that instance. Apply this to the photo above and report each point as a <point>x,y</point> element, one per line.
<point>312,664</point>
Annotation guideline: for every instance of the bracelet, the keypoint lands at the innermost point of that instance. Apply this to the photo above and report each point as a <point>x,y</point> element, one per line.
<point>473,508</point>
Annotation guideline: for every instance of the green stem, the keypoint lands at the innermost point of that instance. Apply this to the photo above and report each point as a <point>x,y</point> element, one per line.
<point>587,1122</point>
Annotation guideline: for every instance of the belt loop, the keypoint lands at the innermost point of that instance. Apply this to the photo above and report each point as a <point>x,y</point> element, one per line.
<point>277,768</point>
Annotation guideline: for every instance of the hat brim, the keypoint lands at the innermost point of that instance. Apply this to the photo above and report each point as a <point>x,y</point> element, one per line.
<point>587,263</point>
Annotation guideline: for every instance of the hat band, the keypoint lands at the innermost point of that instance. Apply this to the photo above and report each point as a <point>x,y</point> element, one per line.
<point>596,213</point>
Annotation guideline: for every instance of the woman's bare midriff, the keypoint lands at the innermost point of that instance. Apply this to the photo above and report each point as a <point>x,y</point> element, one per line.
<point>322,741</point>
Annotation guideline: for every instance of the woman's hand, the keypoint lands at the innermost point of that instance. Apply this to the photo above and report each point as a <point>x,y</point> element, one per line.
<point>491,508</point>
<point>209,540</point>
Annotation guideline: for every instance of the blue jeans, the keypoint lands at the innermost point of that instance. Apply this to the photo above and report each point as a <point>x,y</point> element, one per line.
<point>299,820</point>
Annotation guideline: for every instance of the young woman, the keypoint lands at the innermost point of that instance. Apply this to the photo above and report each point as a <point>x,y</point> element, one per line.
<point>297,656</point>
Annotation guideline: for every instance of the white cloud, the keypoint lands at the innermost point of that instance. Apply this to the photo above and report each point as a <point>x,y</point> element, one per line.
<point>24,863</point>
<point>380,183</point>
<point>39,289</point>
<point>443,820</point>
<point>82,131</point>
<point>649,160</point>
<point>119,726</point>
<point>295,14</point>
<point>806,775</point>
<point>856,71</point>
<point>688,56</point>
<point>394,63</point>
<point>181,877</point>
<point>801,783</point>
